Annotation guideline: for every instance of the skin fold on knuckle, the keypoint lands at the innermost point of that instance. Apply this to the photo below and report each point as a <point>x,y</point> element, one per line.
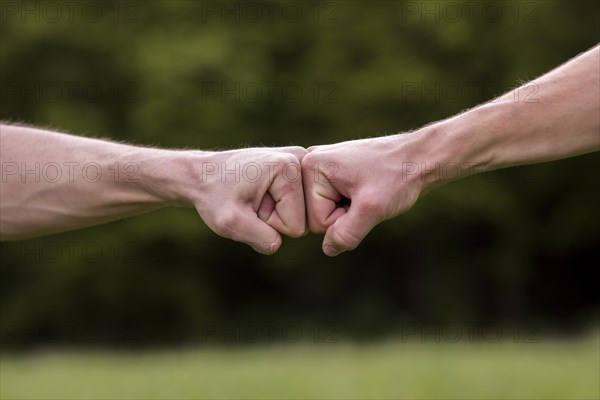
<point>228,224</point>
<point>316,226</point>
<point>298,152</point>
<point>309,161</point>
<point>297,229</point>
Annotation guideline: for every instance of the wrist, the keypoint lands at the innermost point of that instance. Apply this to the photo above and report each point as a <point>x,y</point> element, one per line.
<point>170,175</point>
<point>462,145</point>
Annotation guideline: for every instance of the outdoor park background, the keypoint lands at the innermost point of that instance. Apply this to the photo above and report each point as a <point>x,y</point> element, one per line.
<point>99,312</point>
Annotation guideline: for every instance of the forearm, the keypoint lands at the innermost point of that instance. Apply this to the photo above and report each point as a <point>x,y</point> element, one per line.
<point>553,117</point>
<point>352,186</point>
<point>54,182</point>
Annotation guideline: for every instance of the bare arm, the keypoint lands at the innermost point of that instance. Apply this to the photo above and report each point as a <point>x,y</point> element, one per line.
<point>53,182</point>
<point>555,116</point>
<point>552,117</point>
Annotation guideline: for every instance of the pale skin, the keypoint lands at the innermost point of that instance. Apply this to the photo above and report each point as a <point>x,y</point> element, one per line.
<point>54,182</point>
<point>253,195</point>
<point>352,186</point>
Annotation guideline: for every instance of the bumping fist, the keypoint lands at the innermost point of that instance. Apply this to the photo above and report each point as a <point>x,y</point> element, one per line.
<point>252,195</point>
<point>350,187</point>
<point>342,190</point>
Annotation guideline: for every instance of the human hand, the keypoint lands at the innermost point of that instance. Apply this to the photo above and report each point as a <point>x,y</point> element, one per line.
<point>252,195</point>
<point>352,186</point>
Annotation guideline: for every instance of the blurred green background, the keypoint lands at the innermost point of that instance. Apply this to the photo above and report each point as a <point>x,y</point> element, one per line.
<point>516,247</point>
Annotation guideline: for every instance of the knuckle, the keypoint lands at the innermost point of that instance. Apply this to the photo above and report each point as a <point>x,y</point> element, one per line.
<point>287,158</point>
<point>298,231</point>
<point>298,151</point>
<point>370,203</point>
<point>227,224</point>
<point>294,163</point>
<point>285,162</point>
<point>309,160</point>
<point>290,170</point>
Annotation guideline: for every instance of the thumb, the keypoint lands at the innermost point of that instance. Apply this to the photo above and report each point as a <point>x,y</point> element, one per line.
<point>349,229</point>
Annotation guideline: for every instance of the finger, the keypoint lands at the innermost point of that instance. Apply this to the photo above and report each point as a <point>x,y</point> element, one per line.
<point>349,229</point>
<point>289,215</point>
<point>266,208</point>
<point>321,199</point>
<point>256,233</point>
<point>243,225</point>
<point>267,212</point>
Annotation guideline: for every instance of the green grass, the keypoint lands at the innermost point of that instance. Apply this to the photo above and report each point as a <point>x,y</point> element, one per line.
<point>546,370</point>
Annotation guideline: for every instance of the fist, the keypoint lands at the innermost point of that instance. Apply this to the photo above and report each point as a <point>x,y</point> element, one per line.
<point>350,187</point>
<point>252,195</point>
